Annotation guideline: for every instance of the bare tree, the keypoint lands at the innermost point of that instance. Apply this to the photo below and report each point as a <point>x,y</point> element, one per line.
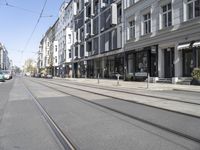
<point>30,66</point>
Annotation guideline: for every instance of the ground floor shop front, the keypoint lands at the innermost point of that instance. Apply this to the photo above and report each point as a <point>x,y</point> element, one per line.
<point>169,60</point>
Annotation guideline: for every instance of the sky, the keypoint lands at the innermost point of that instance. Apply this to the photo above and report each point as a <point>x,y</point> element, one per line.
<point>16,26</point>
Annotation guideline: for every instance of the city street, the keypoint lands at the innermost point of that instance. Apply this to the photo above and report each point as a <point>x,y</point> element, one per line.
<point>100,75</point>
<point>53,114</point>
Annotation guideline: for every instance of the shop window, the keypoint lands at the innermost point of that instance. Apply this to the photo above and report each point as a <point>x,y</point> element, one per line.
<point>167,15</point>
<point>198,51</point>
<point>141,62</point>
<point>130,64</point>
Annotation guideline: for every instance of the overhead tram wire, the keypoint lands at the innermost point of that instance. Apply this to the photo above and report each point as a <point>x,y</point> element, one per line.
<point>21,8</point>
<point>38,20</point>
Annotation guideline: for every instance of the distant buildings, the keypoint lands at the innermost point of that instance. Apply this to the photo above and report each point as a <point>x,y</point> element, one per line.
<point>132,38</point>
<point>5,62</point>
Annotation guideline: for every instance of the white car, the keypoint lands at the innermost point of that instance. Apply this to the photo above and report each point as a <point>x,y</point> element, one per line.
<point>7,74</point>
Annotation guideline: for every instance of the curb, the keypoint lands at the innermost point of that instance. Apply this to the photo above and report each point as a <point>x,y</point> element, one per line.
<point>186,90</point>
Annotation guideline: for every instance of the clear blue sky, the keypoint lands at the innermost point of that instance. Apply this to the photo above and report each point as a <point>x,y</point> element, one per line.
<point>16,26</point>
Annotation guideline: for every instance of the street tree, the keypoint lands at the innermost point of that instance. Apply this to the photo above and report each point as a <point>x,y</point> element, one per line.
<point>30,66</point>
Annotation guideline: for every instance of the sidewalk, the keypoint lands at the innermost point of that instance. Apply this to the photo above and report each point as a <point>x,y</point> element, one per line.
<point>137,85</point>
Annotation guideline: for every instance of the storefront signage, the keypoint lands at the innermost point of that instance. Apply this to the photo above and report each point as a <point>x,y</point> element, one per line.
<point>153,49</point>
<point>141,74</point>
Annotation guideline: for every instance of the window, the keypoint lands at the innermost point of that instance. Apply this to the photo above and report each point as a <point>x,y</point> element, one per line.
<point>70,38</point>
<point>131,2</point>
<point>131,29</point>
<point>167,15</point>
<point>119,13</point>
<point>141,61</point>
<point>147,23</point>
<point>76,51</point>
<point>56,48</point>
<point>56,60</point>
<point>70,53</point>
<point>193,9</point>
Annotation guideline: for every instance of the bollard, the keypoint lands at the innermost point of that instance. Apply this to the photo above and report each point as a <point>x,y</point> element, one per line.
<point>117,80</point>
<point>147,80</point>
<point>98,78</point>
<point>118,75</point>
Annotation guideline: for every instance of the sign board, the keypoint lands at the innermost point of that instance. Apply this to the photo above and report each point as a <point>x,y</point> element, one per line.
<point>141,74</point>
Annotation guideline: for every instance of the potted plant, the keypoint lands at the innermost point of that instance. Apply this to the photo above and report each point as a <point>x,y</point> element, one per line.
<point>129,77</point>
<point>195,76</point>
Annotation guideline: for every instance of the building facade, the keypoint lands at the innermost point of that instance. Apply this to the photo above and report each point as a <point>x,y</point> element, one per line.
<point>40,62</point>
<point>162,38</point>
<point>98,39</point>
<point>69,28</point>
<point>4,59</point>
<point>132,38</point>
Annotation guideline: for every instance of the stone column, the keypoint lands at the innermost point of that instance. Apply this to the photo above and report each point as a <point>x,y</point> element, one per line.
<point>161,63</point>
<point>178,65</point>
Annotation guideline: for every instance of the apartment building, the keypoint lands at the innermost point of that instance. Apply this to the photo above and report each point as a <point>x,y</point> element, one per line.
<point>98,40</point>
<point>4,59</point>
<point>61,37</point>
<point>133,38</point>
<point>54,49</point>
<point>48,52</point>
<point>162,38</point>
<point>69,27</point>
<point>40,62</point>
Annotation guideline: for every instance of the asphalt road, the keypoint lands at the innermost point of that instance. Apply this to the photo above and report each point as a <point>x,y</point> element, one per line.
<point>22,126</point>
<point>93,127</point>
<point>88,126</point>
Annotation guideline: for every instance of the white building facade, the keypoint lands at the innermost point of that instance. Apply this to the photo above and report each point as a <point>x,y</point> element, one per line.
<point>133,38</point>
<point>162,38</point>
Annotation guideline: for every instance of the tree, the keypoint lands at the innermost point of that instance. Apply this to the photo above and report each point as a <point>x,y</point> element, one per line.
<point>30,66</point>
<point>17,69</point>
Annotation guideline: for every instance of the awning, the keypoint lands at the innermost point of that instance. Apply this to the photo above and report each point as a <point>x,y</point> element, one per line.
<point>183,46</point>
<point>196,44</point>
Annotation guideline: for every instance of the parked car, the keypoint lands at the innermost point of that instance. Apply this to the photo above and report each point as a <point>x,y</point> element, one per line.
<point>37,75</point>
<point>49,76</point>
<point>2,79</point>
<point>7,74</point>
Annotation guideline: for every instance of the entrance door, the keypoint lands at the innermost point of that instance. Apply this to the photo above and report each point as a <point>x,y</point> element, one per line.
<point>188,63</point>
<point>168,62</point>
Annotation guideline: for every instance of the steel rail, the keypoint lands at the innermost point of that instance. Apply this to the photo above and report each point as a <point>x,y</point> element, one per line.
<point>128,115</point>
<point>63,139</point>
<point>130,101</point>
<point>134,93</point>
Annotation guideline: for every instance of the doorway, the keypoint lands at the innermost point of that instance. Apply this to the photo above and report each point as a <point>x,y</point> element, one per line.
<point>188,63</point>
<point>169,62</point>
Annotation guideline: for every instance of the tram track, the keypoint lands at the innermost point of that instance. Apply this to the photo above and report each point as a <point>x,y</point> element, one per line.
<point>162,127</point>
<point>133,101</point>
<point>128,92</point>
<point>62,138</point>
